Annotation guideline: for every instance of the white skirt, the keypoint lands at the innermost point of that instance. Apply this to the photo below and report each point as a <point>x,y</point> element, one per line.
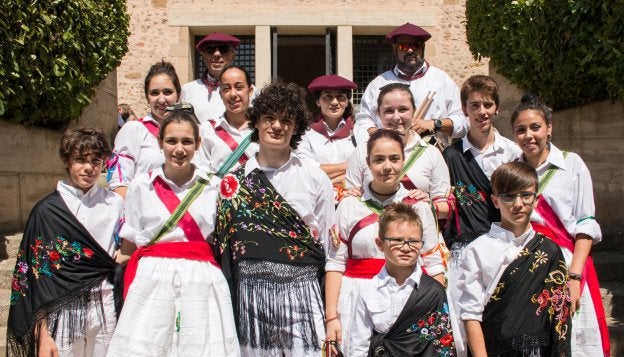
<point>453,294</point>
<point>347,300</point>
<point>176,307</point>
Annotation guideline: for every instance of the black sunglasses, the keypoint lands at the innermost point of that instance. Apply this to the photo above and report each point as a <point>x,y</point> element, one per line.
<point>210,49</point>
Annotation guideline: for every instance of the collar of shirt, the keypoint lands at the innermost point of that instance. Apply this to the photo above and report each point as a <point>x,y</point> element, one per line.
<point>65,188</point>
<point>253,164</point>
<point>498,232</point>
<point>555,157</point>
<point>340,125</point>
<point>197,173</point>
<point>415,140</point>
<point>149,117</point>
<point>399,195</point>
<point>222,122</point>
<point>384,278</point>
<point>496,146</point>
<point>397,72</point>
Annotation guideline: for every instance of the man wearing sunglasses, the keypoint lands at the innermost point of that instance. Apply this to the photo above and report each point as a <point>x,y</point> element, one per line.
<point>444,118</point>
<point>218,51</point>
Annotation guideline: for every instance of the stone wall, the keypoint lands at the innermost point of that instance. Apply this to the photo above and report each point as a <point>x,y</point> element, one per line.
<point>30,160</point>
<point>164,29</point>
<point>595,132</point>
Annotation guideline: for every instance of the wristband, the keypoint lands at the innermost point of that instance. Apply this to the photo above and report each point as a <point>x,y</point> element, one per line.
<point>574,276</point>
<point>331,319</point>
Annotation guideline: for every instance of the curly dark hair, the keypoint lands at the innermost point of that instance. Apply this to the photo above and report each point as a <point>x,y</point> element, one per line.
<point>82,142</point>
<point>286,99</point>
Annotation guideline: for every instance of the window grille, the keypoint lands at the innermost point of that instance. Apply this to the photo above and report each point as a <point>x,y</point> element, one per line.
<point>245,56</point>
<point>372,55</point>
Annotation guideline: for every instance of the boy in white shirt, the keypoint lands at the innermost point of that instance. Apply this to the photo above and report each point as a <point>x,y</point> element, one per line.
<point>62,293</point>
<point>402,312</point>
<point>514,284</point>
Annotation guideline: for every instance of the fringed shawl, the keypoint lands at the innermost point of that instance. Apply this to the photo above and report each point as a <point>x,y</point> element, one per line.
<point>59,269</point>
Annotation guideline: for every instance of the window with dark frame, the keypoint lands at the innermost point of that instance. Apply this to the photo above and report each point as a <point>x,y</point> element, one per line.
<point>245,56</point>
<point>372,56</point>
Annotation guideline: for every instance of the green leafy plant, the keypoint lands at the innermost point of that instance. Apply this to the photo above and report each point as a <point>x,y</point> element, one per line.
<point>569,52</point>
<point>54,53</point>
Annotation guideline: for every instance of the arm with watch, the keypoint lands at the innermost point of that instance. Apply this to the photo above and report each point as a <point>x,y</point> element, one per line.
<point>425,126</point>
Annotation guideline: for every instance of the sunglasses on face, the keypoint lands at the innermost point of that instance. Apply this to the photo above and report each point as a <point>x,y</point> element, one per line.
<point>406,46</point>
<point>210,49</point>
<point>526,197</point>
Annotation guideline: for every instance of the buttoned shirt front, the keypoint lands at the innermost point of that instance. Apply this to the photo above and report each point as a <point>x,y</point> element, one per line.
<point>501,151</point>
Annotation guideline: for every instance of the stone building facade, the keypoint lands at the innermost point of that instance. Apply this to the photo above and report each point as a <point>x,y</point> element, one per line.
<point>294,40</point>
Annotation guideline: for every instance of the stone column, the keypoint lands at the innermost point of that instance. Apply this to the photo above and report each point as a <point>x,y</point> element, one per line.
<point>263,55</point>
<point>344,51</point>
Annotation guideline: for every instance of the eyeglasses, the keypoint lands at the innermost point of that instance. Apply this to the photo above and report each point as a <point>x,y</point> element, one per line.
<point>210,49</point>
<point>526,197</point>
<point>406,46</point>
<point>188,107</point>
<point>399,242</point>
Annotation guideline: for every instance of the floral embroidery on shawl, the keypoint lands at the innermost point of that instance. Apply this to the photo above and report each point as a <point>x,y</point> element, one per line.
<point>46,259</point>
<point>556,300</point>
<point>436,328</point>
<point>467,194</point>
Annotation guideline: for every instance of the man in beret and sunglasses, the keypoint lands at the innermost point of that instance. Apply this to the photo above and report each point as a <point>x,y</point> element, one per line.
<point>444,117</point>
<point>218,51</point>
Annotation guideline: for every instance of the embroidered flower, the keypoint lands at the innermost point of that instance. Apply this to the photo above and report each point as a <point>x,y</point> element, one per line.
<point>431,320</point>
<point>22,267</point>
<point>277,204</point>
<point>87,252</point>
<point>292,234</point>
<point>54,256</point>
<point>446,340</point>
<point>15,284</point>
<point>421,323</point>
<point>229,187</point>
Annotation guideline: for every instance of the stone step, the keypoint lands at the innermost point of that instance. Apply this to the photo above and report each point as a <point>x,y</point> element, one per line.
<point>9,243</point>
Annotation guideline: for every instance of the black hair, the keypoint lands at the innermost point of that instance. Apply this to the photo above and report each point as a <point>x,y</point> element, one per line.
<point>162,67</point>
<point>532,102</point>
<point>513,176</point>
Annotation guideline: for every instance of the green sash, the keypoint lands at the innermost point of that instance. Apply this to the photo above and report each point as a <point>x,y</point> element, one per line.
<point>234,156</point>
<point>414,156</point>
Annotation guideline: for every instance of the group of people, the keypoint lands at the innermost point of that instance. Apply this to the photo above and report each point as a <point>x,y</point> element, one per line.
<point>237,224</point>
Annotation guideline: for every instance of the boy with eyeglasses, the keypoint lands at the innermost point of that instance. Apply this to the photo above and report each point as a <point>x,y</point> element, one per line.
<point>402,311</point>
<point>514,283</point>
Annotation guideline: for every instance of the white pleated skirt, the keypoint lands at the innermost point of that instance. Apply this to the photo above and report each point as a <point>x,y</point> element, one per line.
<point>176,307</point>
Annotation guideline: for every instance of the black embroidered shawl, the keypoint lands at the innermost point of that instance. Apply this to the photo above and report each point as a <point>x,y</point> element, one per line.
<point>255,222</point>
<point>474,210</point>
<point>59,267</point>
<point>529,309</point>
<point>423,328</point>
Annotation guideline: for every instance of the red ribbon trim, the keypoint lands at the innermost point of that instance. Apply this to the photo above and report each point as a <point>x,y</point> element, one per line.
<point>171,201</point>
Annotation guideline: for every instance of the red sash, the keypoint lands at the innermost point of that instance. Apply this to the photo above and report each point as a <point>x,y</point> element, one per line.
<point>152,127</point>
<point>363,268</point>
<point>200,251</point>
<point>342,133</point>
<point>556,231</point>
<point>362,223</point>
<point>171,201</point>
<point>228,140</point>
<point>407,183</point>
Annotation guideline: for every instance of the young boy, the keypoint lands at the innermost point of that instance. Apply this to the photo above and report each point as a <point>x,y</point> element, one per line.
<point>402,311</point>
<point>514,288</point>
<point>62,296</point>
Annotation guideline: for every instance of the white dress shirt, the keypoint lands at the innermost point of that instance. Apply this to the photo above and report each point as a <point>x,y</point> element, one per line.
<point>98,210</point>
<point>307,189</point>
<point>484,261</point>
<point>446,102</point>
<point>378,307</point>
<point>319,149</point>
<point>206,106</point>
<point>501,151</point>
<point>139,152</point>
<point>214,151</point>
<point>429,173</point>
<point>570,194</point>
<point>146,213</point>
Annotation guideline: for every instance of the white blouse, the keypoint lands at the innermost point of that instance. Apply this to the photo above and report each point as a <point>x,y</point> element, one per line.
<point>137,152</point>
<point>214,151</point>
<point>351,210</point>
<point>99,211</point>
<point>307,189</point>
<point>485,259</point>
<point>316,147</point>
<point>206,105</point>
<point>146,213</point>
<point>429,173</point>
<point>570,194</point>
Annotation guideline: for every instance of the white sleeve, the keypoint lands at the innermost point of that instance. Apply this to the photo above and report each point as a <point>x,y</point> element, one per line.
<point>361,329</point>
<point>325,210</point>
<point>356,166</point>
<point>132,212</point>
<point>440,184</point>
<point>366,116</point>
<point>126,152</point>
<point>337,256</point>
<point>432,257</point>
<point>584,208</point>
<point>202,156</point>
<point>470,283</point>
<point>454,110</point>
<point>305,152</point>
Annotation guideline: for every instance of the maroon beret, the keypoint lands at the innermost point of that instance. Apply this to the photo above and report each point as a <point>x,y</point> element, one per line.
<point>330,81</point>
<point>218,37</point>
<point>408,30</point>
